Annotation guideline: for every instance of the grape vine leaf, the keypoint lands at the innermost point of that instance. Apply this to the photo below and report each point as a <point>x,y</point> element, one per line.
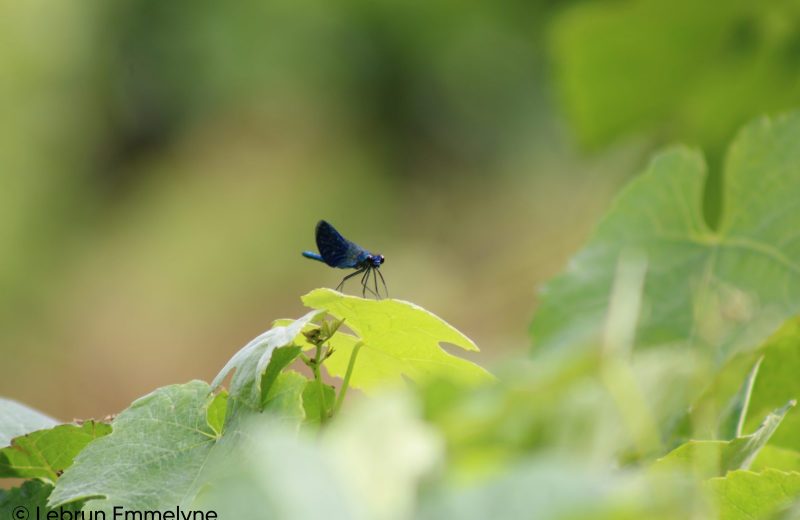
<point>44,454</point>
<point>32,496</point>
<point>716,291</point>
<point>159,448</point>
<point>384,451</point>
<point>399,339</point>
<point>17,419</point>
<point>281,358</point>
<point>777,382</point>
<point>285,397</point>
<point>744,495</point>
<point>716,458</point>
<point>276,473</point>
<point>216,412</point>
<point>252,364</point>
<point>153,457</point>
<point>741,392</point>
<point>369,463</point>
<point>774,457</point>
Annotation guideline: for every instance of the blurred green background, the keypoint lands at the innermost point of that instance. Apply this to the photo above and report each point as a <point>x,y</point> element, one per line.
<point>162,164</point>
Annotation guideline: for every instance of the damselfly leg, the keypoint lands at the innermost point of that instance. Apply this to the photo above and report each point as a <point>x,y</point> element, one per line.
<point>341,284</point>
<point>386,289</point>
<point>365,286</point>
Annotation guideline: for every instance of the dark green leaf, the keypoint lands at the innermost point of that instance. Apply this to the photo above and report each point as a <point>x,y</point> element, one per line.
<point>30,501</point>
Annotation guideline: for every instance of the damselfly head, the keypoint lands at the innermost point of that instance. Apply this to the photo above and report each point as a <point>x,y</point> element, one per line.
<point>375,260</point>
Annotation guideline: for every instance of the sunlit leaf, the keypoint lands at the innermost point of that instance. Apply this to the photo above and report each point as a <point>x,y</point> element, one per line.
<point>778,381</point>
<point>715,458</point>
<point>399,340</point>
<point>745,495</point>
<point>217,410</point>
<point>773,457</point>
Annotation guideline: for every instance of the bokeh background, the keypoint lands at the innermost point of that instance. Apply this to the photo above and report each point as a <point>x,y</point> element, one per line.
<point>162,164</point>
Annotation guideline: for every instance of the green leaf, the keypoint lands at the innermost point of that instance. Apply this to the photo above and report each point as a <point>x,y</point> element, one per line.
<point>399,339</point>
<point>552,405</point>
<point>17,419</point>
<point>383,452</point>
<point>29,498</point>
<point>153,457</point>
<point>217,410</point>
<point>778,382</point>
<point>285,397</point>
<point>312,402</point>
<point>281,358</point>
<point>274,473</point>
<point>252,364</point>
<point>45,454</point>
<point>368,464</point>
<point>716,292</point>
<point>733,417</point>
<point>745,373</point>
<point>563,489</point>
<point>676,67</point>
<point>747,495</point>
<point>715,458</point>
<point>773,457</point>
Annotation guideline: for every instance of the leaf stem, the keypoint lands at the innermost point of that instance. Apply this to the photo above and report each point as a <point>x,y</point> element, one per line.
<point>323,409</point>
<point>346,382</point>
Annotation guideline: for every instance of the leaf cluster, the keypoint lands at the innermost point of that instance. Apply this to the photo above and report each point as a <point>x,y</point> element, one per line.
<point>663,384</point>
